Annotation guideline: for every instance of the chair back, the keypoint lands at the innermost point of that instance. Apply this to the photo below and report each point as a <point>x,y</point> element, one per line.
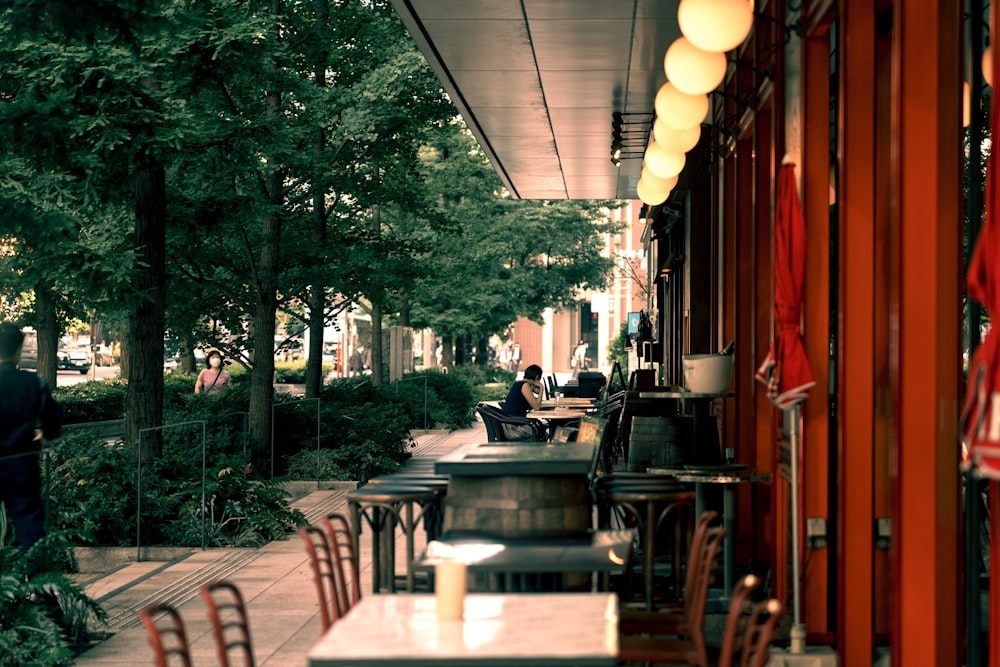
<point>749,626</point>
<point>166,635</point>
<point>230,626</point>
<point>345,562</point>
<point>501,427</point>
<point>696,601</point>
<point>324,575</point>
<point>699,539</point>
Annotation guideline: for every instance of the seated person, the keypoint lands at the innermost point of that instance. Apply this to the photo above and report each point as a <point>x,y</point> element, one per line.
<point>526,394</point>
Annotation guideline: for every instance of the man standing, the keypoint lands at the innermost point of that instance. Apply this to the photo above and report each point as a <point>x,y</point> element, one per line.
<point>25,402</point>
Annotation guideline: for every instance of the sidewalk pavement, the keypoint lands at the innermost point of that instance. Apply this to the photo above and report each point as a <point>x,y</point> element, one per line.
<point>276,581</point>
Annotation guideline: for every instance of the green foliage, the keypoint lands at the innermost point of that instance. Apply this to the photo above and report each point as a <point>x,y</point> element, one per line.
<point>43,614</point>
<point>488,383</point>
<point>93,487</point>
<point>449,398</point>
<point>294,372</point>
<point>93,401</point>
<point>617,351</point>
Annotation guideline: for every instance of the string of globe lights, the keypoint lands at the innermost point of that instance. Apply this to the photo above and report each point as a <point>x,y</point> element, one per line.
<point>695,65</point>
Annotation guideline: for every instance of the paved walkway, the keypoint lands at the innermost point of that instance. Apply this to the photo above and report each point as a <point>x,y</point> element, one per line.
<point>276,581</point>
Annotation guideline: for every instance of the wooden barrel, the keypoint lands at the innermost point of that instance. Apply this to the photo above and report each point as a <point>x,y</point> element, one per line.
<point>660,442</point>
<point>515,506</point>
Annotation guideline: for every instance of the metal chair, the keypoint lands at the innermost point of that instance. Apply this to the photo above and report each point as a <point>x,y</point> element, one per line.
<point>324,575</point>
<point>749,627</point>
<point>171,633</point>
<point>345,561</point>
<point>502,427</point>
<point>232,634</point>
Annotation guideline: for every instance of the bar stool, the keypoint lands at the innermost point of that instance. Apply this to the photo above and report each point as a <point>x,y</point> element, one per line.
<point>384,506</point>
<point>433,514</point>
<point>647,502</point>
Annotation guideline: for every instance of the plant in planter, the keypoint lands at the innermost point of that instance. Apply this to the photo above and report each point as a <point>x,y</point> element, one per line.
<point>45,618</point>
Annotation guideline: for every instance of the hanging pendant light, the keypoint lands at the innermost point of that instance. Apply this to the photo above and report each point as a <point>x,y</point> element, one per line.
<point>680,110</point>
<point>692,70</point>
<point>662,162</point>
<point>678,141</point>
<point>715,25</point>
<point>655,183</point>
<point>648,195</point>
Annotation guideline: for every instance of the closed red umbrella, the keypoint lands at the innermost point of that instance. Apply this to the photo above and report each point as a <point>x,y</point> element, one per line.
<point>786,370</point>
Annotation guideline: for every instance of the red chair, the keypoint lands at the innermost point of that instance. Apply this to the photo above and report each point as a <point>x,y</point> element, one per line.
<point>749,627</point>
<point>325,575</point>
<point>341,539</point>
<point>172,632</point>
<point>232,635</point>
<point>689,646</point>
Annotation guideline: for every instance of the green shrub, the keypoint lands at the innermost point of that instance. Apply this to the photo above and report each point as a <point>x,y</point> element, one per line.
<point>97,400</point>
<point>44,616</point>
<point>488,383</point>
<point>93,487</point>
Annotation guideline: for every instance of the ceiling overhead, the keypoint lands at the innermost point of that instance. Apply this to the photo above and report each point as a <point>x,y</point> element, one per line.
<point>537,82</point>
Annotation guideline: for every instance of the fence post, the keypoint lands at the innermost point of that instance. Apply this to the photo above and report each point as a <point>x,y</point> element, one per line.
<point>138,480</point>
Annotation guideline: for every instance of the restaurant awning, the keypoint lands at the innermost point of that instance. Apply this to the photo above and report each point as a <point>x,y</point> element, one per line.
<point>537,81</point>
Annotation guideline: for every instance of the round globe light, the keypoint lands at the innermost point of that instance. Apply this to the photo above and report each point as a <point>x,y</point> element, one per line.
<point>648,196</point>
<point>679,141</point>
<point>680,110</point>
<point>692,70</point>
<point>715,25</point>
<point>987,64</point>
<point>662,162</point>
<point>656,183</point>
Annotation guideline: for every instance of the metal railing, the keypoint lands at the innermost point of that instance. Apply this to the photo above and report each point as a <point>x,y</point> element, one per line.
<point>138,480</point>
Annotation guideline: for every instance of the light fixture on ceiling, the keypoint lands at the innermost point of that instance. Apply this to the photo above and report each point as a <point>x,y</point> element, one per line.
<point>678,109</point>
<point>693,70</point>
<point>715,25</point>
<point>629,134</point>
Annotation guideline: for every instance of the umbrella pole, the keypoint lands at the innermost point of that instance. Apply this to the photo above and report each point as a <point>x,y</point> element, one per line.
<point>798,631</point>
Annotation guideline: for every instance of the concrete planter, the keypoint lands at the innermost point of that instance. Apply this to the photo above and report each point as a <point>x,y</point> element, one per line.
<point>97,560</point>
<point>299,488</point>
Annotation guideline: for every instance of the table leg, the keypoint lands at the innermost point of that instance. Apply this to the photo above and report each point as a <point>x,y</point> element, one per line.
<point>728,544</point>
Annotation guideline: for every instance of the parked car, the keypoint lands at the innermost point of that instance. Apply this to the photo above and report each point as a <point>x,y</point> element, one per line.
<point>29,350</point>
<point>73,359</point>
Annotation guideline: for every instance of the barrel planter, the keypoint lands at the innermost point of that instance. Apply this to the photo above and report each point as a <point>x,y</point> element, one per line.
<point>514,506</point>
<point>660,442</point>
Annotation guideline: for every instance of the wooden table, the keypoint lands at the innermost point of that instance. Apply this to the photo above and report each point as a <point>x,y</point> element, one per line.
<point>568,402</point>
<point>498,629</point>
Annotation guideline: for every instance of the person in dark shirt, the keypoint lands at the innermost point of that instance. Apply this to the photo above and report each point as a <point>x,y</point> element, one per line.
<point>25,402</point>
<point>526,394</point>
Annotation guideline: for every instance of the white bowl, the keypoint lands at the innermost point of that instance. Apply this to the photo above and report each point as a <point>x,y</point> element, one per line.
<point>707,373</point>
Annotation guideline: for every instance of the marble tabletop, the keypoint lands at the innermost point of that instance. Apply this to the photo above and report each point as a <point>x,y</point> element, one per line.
<point>518,458</point>
<point>596,551</point>
<point>524,629</point>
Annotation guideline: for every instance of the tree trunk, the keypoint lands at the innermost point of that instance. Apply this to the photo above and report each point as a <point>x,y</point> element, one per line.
<point>447,354</point>
<point>262,374</point>
<point>47,332</point>
<point>144,396</point>
<point>376,313</point>
<point>483,351</point>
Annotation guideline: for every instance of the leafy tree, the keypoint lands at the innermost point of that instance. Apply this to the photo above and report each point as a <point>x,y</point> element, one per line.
<point>494,259</point>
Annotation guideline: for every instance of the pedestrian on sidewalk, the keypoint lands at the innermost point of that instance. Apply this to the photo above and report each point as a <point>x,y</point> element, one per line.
<point>26,403</point>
